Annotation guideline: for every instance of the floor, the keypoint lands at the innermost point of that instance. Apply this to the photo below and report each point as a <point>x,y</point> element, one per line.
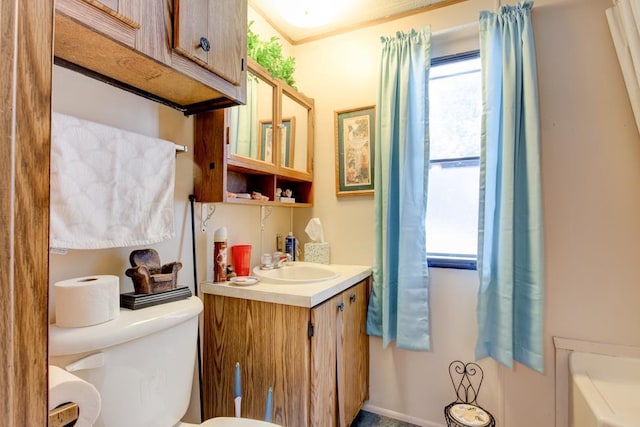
<point>368,419</point>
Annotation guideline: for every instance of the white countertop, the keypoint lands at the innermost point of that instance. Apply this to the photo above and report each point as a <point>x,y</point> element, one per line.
<point>303,295</point>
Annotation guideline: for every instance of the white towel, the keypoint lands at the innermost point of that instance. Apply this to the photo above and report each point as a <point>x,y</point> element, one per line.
<point>109,187</point>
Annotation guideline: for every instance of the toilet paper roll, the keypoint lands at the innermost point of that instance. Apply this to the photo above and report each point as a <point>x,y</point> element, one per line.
<point>86,301</point>
<point>65,387</point>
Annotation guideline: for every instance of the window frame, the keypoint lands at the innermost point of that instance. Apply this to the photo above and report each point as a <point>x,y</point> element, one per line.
<point>455,261</point>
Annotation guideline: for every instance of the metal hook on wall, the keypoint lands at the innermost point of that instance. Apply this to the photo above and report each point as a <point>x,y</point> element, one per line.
<point>265,212</point>
<point>206,214</point>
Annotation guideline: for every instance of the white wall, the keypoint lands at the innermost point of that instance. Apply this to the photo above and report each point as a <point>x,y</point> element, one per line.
<point>591,195</point>
<point>89,99</point>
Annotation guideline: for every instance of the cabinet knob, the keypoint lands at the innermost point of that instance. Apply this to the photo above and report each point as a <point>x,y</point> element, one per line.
<point>204,44</point>
<point>341,306</point>
<point>352,298</point>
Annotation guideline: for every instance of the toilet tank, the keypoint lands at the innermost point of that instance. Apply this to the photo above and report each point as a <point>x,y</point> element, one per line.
<point>142,362</point>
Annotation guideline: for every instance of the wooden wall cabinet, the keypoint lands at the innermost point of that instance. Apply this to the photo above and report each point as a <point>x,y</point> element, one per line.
<point>131,44</point>
<point>261,146</point>
<point>207,33</point>
<point>316,359</point>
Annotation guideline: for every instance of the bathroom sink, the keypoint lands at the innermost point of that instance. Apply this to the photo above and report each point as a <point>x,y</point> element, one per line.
<point>296,273</point>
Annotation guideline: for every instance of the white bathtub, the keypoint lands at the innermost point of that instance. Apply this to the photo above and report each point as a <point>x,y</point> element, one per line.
<point>604,391</point>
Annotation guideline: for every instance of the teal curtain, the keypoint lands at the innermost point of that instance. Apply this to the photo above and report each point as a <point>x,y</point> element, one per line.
<point>510,241</point>
<point>399,303</point>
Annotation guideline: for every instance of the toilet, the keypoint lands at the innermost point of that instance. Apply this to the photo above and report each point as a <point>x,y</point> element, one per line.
<point>141,363</point>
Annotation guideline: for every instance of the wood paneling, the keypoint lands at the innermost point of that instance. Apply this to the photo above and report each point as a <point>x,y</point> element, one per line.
<point>25,99</point>
<point>209,150</point>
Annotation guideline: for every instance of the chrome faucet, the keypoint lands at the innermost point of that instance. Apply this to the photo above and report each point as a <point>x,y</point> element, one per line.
<point>277,261</point>
<point>283,260</point>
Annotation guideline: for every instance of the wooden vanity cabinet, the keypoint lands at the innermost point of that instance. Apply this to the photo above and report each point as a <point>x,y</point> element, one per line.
<point>130,44</point>
<point>315,359</point>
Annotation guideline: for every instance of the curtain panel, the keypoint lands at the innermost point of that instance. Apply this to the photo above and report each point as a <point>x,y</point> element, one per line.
<point>510,239</point>
<point>399,303</point>
<point>624,23</point>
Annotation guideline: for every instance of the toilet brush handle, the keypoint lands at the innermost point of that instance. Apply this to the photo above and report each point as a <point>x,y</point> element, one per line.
<point>238,403</point>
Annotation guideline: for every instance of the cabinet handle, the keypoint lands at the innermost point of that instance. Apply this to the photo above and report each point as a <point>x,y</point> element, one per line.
<point>204,44</point>
<point>352,298</point>
<point>341,306</point>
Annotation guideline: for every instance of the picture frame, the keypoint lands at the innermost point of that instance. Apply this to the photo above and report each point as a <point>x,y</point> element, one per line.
<point>355,142</point>
<point>265,149</point>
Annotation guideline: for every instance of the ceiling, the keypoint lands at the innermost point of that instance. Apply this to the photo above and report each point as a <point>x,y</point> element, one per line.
<point>335,16</point>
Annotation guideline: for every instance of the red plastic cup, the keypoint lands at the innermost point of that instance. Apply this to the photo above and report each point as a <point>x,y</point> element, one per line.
<point>241,256</point>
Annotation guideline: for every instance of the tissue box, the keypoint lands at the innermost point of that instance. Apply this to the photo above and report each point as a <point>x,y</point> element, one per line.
<point>317,252</point>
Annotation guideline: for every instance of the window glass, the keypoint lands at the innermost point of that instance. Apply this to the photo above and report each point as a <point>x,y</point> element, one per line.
<point>454,122</point>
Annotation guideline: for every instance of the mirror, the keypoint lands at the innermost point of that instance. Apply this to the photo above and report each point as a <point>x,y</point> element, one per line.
<point>250,132</point>
<point>295,127</point>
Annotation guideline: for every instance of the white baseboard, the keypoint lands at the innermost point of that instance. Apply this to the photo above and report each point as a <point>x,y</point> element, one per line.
<point>398,416</point>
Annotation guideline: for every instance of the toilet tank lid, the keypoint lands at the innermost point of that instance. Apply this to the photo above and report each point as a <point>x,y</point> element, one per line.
<point>129,325</point>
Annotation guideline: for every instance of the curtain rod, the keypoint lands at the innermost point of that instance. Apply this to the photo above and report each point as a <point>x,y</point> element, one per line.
<point>462,27</point>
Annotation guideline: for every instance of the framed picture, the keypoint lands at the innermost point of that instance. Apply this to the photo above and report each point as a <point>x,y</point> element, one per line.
<point>287,134</point>
<point>355,139</point>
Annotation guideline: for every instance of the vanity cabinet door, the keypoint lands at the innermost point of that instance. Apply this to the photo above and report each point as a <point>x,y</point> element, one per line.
<point>355,354</point>
<point>213,33</point>
<point>339,358</point>
<point>324,398</point>
<point>271,343</point>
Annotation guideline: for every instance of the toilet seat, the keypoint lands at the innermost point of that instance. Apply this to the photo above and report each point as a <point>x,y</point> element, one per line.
<point>230,422</point>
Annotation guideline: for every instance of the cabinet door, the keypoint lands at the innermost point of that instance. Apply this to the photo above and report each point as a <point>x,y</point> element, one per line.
<point>324,398</point>
<point>214,34</point>
<point>272,345</point>
<point>355,349</point>
<point>108,17</point>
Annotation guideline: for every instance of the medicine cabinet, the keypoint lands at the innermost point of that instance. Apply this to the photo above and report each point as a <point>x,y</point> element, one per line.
<point>259,147</point>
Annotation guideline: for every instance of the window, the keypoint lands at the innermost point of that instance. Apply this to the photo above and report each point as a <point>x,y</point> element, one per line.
<point>454,121</point>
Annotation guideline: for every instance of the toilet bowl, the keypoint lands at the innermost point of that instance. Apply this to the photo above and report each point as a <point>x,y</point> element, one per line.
<point>229,422</point>
<point>141,363</point>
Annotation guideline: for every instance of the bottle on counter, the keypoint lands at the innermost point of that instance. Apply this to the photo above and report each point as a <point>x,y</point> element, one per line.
<point>290,246</point>
<point>220,255</point>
